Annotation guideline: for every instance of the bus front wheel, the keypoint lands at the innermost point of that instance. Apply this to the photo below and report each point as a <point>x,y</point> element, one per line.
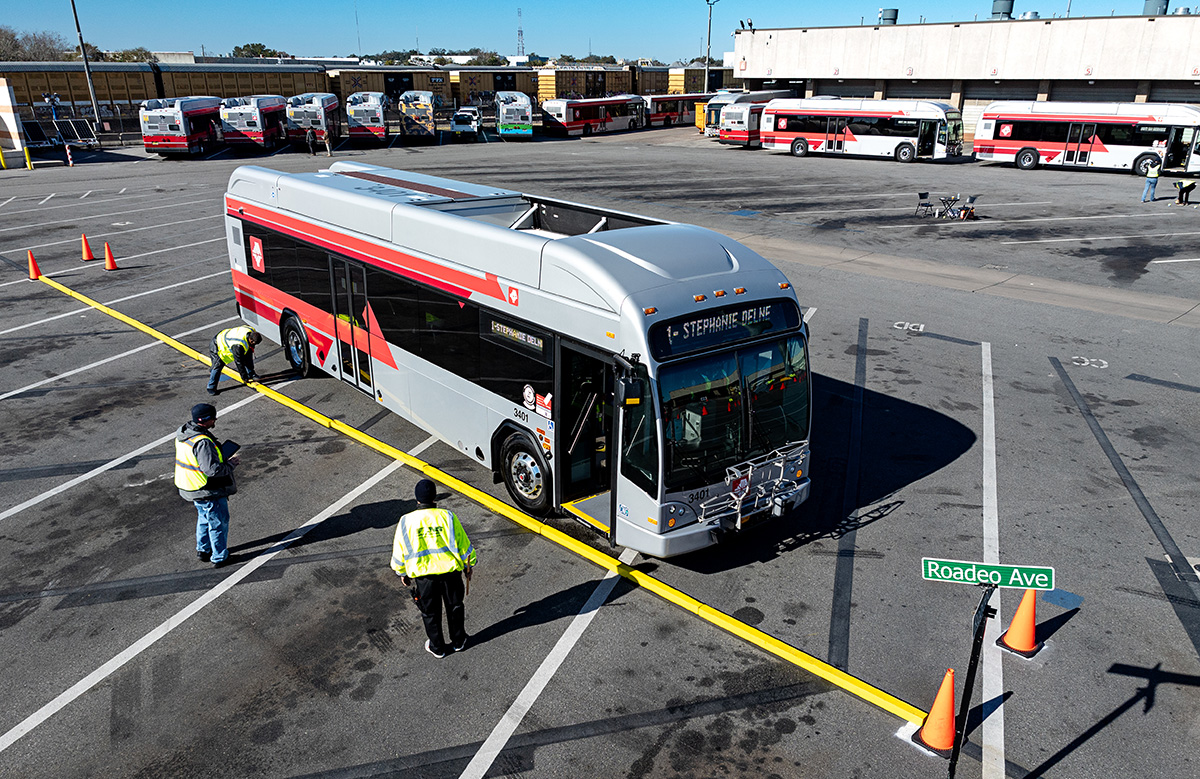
<point>295,347</point>
<point>800,148</point>
<point>526,475</point>
<point>905,152</point>
<point>1027,159</point>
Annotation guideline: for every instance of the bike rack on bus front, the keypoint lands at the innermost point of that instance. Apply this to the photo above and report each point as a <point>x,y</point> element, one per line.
<point>766,482</point>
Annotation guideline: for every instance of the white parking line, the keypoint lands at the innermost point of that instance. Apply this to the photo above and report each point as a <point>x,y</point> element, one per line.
<point>218,154</point>
<point>494,744</point>
<point>989,222</point>
<point>114,232</point>
<point>47,198</point>
<point>85,194</point>
<point>890,208</point>
<point>1102,238</point>
<point>6,202</point>
<point>115,357</point>
<point>193,608</point>
<point>154,291</point>
<point>108,466</point>
<point>993,663</point>
<point>99,216</point>
<point>808,314</point>
<point>1189,259</point>
<point>122,192</point>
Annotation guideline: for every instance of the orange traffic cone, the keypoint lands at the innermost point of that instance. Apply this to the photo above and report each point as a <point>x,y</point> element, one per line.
<point>34,271</point>
<point>1021,636</point>
<point>87,250</point>
<point>109,262</point>
<point>937,734</point>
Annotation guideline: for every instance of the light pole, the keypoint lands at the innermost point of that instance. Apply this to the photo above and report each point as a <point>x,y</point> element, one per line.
<point>707,46</point>
<point>86,69</point>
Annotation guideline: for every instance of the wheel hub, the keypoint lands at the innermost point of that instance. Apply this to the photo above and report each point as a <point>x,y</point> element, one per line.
<point>527,475</point>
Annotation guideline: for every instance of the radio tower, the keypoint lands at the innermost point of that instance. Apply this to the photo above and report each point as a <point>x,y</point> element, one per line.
<point>520,36</point>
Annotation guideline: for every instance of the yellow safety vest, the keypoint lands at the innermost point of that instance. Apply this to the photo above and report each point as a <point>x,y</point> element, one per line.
<point>227,339</point>
<point>1153,171</point>
<point>188,475</point>
<point>429,542</point>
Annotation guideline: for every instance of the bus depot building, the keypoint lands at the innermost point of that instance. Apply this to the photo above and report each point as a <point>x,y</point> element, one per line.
<point>970,64</point>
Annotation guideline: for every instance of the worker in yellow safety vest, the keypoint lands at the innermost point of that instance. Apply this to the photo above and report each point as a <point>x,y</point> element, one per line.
<point>431,553</point>
<point>204,475</point>
<point>233,347</point>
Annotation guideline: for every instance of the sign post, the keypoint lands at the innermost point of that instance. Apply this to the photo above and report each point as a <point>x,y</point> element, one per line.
<point>983,612</point>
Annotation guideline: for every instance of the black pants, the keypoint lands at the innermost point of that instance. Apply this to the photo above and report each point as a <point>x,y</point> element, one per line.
<point>431,592</point>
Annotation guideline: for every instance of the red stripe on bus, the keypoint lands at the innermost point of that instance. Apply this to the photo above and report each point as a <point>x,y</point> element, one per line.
<point>1083,118</point>
<point>455,282</point>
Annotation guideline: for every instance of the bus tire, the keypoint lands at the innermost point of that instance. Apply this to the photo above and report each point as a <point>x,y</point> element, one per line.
<point>1142,164</point>
<point>800,148</point>
<point>587,129</point>
<point>906,152</point>
<point>295,347</point>
<point>526,475</point>
<point>1027,159</point>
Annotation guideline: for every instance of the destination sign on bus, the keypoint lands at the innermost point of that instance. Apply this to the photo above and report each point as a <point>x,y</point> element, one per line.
<point>722,326</point>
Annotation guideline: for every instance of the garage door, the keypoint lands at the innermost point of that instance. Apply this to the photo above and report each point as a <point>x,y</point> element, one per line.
<point>921,90</point>
<point>977,94</point>
<point>1097,92</point>
<point>845,88</point>
<point>1174,92</point>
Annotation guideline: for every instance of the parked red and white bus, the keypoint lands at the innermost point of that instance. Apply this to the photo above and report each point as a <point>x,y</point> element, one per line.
<point>254,120</point>
<point>365,116</point>
<point>593,115</point>
<point>316,110</point>
<point>905,130</point>
<point>665,110</point>
<point>713,108</point>
<point>741,124</point>
<point>180,125</point>
<point>1108,136</point>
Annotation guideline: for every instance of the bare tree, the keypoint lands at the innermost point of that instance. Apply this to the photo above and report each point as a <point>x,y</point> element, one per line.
<point>10,45</point>
<point>44,46</point>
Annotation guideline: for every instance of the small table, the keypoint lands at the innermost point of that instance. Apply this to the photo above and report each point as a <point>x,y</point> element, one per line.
<point>948,204</point>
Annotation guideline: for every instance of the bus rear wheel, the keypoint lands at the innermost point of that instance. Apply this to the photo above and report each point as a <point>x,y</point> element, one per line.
<point>906,152</point>
<point>526,475</point>
<point>1027,159</point>
<point>800,148</point>
<point>295,347</point>
<point>1141,166</point>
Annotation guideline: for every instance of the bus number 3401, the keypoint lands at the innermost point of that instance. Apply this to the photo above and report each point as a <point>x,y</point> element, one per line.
<point>521,414</point>
<point>698,495</point>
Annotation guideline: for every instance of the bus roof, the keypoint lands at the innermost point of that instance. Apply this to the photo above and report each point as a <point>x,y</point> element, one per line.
<point>181,103</point>
<point>761,96</point>
<point>589,255</point>
<point>841,105</point>
<point>594,100</point>
<point>1155,112</point>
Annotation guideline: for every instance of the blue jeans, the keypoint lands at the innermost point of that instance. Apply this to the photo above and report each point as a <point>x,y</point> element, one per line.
<point>215,374</point>
<point>212,527</point>
<point>1148,190</point>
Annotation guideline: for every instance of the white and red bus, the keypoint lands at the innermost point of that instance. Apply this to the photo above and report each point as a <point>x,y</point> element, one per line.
<point>365,116</point>
<point>593,115</point>
<point>1108,136</point>
<point>315,110</point>
<point>905,130</point>
<point>254,120</point>
<point>666,110</point>
<point>180,125</point>
<point>714,107</point>
<point>614,366</point>
<point>741,124</point>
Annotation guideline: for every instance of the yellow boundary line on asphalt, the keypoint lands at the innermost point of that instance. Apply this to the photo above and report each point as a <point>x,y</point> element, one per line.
<point>764,641</point>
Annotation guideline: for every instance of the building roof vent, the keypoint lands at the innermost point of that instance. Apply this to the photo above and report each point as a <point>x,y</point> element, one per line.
<point>888,15</point>
<point>1154,8</point>
<point>1029,15</point>
<point>1002,9</point>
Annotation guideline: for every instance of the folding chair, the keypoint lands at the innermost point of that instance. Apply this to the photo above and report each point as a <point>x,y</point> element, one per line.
<point>924,207</point>
<point>967,211</point>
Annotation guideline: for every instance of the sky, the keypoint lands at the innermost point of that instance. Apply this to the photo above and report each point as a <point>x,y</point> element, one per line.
<point>666,30</point>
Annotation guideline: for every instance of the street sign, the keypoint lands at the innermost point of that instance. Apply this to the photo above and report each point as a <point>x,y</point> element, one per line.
<point>1025,577</point>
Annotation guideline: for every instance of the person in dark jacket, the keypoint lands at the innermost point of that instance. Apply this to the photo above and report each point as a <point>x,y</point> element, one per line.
<point>233,347</point>
<point>204,475</point>
<point>310,140</point>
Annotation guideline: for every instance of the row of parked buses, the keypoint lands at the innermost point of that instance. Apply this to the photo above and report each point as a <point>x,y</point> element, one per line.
<point>1106,136</point>
<point>193,125</point>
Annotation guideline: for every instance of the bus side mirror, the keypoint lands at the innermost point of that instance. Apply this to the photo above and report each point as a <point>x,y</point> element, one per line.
<point>629,392</point>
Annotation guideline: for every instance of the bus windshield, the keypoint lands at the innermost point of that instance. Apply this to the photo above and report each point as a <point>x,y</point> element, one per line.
<point>954,126</point>
<point>725,408</point>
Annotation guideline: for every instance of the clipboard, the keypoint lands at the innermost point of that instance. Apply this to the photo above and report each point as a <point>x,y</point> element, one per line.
<point>229,448</point>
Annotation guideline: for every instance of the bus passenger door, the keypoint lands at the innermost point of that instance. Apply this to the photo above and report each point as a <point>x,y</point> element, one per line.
<point>584,429</point>
<point>350,314</point>
<point>926,138</point>
<point>1079,143</point>
<point>835,134</point>
<point>1191,137</point>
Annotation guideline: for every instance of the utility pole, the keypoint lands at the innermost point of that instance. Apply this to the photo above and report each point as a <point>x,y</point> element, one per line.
<point>707,46</point>
<point>86,68</point>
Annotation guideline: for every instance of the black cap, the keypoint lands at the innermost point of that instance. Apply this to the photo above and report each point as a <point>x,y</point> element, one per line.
<point>203,412</point>
<point>426,491</point>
